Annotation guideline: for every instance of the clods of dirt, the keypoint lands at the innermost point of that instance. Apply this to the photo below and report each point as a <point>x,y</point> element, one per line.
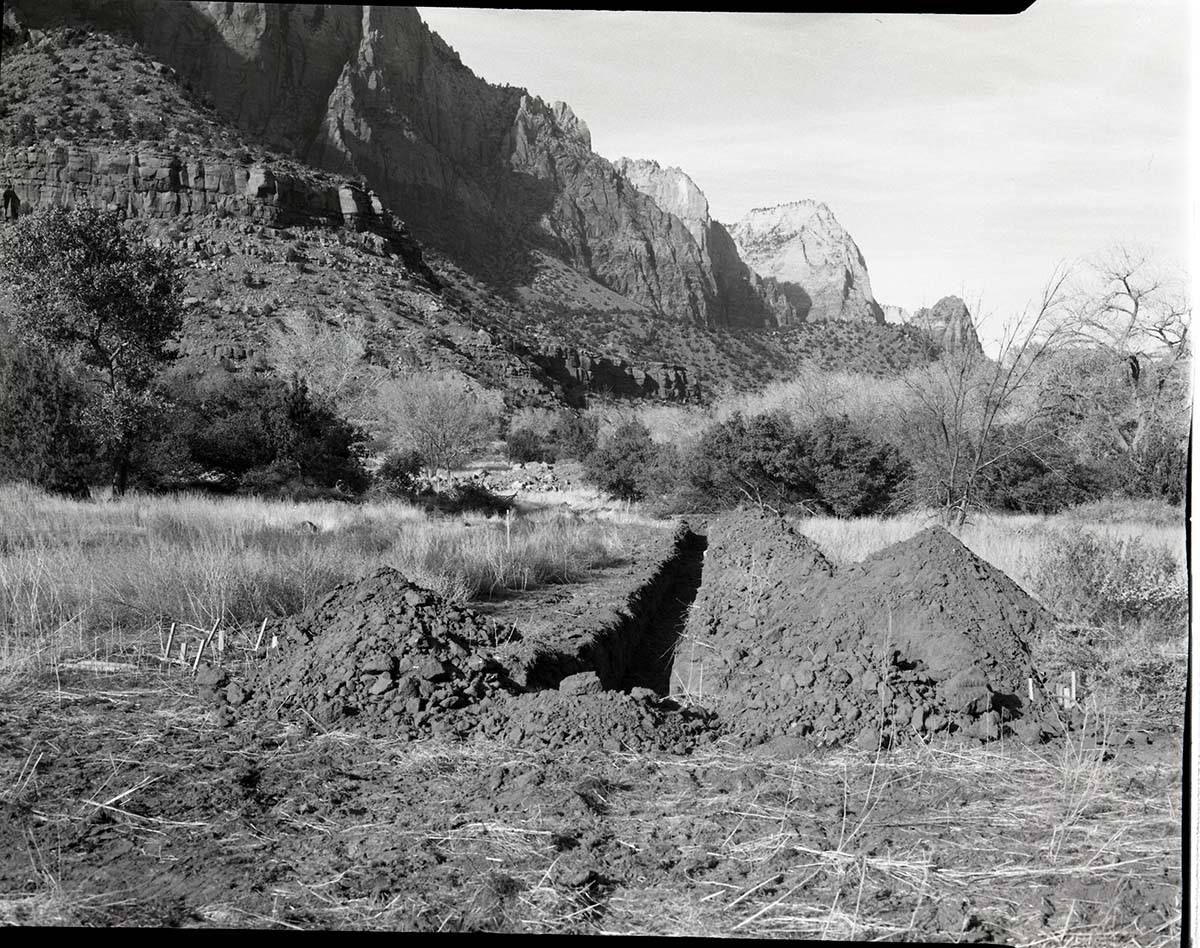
<point>381,655</point>
<point>921,638</point>
<point>389,658</point>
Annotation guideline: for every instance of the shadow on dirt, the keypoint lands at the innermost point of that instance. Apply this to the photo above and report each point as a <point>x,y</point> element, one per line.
<point>650,666</point>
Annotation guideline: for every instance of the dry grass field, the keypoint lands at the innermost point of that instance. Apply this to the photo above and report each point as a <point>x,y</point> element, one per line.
<point>127,803</point>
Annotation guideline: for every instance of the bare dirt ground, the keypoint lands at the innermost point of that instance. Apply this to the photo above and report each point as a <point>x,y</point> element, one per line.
<point>124,804</point>
<point>129,797</point>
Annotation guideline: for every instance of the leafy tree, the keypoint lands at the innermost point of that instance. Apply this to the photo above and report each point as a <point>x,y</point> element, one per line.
<point>629,464</point>
<point>854,476</point>
<point>1037,471</point>
<point>251,434</point>
<point>756,459</point>
<point>107,304</point>
<point>41,438</point>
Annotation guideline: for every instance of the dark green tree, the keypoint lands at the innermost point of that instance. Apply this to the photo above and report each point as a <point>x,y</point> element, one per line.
<point>42,440</point>
<point>757,459</point>
<point>629,464</point>
<point>854,476</point>
<point>107,304</point>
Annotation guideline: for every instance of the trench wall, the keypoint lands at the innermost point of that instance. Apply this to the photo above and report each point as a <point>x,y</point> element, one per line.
<point>616,640</point>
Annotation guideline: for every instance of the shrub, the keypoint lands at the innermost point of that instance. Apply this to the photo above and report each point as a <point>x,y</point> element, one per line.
<point>468,497</point>
<point>398,474</point>
<point>25,132</point>
<point>754,459</point>
<point>574,436</point>
<point>630,465</point>
<point>1110,581</point>
<point>147,129</point>
<point>43,440</point>
<point>854,476</point>
<point>252,435</point>
<point>525,444</point>
<point>1158,468</point>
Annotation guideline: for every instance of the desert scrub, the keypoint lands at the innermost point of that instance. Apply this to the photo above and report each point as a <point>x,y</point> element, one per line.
<point>1111,580</point>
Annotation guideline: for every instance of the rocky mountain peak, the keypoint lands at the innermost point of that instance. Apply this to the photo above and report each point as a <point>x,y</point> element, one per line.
<point>673,191</point>
<point>949,324</point>
<point>804,247</point>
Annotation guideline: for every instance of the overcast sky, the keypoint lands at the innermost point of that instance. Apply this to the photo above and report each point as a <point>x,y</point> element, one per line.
<point>964,154</point>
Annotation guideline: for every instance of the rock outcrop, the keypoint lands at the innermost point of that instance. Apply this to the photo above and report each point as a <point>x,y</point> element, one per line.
<point>579,369</point>
<point>815,263</point>
<point>144,183</point>
<point>949,325</point>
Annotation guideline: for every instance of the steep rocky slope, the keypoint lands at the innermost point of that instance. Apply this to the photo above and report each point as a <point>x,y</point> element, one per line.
<point>485,173</point>
<point>266,239</point>
<point>816,263</point>
<point>479,211</point>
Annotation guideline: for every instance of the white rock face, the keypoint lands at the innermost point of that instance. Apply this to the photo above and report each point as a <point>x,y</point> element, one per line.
<point>804,248</point>
<point>673,191</point>
<point>896,315</point>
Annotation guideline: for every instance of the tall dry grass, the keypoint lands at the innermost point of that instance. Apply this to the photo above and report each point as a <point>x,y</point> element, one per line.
<point>78,576</point>
<point>1016,543</point>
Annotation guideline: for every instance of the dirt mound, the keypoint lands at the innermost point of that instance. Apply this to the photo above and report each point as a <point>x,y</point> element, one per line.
<point>921,638</point>
<point>386,657</point>
<point>381,654</point>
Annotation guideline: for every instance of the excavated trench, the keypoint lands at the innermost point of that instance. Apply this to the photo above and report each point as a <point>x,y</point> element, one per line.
<point>655,634</point>
<point>921,638</point>
<point>630,644</point>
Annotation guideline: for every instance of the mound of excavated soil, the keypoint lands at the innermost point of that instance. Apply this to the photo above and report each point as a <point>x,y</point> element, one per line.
<point>921,638</point>
<point>387,657</point>
<point>380,654</point>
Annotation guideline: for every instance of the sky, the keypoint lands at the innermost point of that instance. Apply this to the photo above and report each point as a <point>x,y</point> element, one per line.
<point>966,155</point>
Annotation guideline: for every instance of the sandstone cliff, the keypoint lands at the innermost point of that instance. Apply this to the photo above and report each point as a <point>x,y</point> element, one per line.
<point>949,325</point>
<point>816,264</point>
<point>741,296</point>
<point>485,173</point>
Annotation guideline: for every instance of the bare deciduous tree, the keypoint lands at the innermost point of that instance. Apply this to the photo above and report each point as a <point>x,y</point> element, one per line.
<point>1127,327</point>
<point>960,402</point>
<point>445,418</point>
<point>330,358</point>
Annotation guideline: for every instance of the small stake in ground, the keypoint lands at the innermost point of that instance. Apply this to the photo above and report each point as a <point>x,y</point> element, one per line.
<point>166,654</point>
<point>220,641</point>
<point>204,644</point>
<point>1030,690</point>
<point>183,653</point>
<point>261,630</point>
